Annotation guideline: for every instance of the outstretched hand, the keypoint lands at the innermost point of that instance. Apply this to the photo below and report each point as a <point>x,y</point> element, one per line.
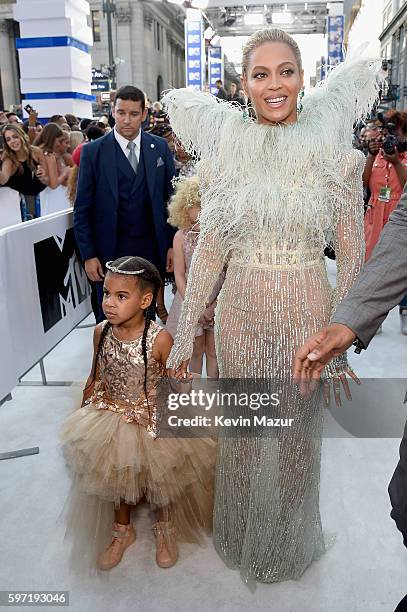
<point>336,384</point>
<point>311,359</point>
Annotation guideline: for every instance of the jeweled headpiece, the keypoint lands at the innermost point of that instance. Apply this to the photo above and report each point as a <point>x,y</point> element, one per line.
<point>116,270</point>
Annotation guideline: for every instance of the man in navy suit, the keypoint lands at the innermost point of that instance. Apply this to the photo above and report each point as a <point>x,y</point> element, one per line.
<point>123,187</point>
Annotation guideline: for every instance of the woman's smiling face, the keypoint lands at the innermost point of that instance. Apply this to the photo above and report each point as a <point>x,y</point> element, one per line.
<point>13,140</point>
<point>273,81</point>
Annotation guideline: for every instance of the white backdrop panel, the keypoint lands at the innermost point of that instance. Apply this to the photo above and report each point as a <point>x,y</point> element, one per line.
<point>47,290</point>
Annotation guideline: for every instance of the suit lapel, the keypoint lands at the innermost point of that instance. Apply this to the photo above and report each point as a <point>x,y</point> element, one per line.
<point>149,152</point>
<point>109,163</point>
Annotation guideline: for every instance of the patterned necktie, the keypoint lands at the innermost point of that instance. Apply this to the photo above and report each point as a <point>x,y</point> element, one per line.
<point>132,156</point>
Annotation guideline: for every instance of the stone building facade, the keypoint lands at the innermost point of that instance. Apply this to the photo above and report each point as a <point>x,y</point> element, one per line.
<point>148,44</point>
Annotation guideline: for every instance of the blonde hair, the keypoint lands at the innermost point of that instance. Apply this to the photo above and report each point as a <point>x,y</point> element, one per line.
<point>265,36</point>
<point>72,185</point>
<point>186,196</point>
<point>75,139</point>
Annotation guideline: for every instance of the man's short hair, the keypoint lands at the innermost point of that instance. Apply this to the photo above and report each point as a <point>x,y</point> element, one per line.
<point>94,132</point>
<point>128,92</point>
<point>85,123</point>
<point>218,81</point>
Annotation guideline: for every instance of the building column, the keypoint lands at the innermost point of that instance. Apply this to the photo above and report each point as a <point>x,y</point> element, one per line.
<point>8,66</point>
<point>137,46</point>
<point>172,77</point>
<point>124,44</point>
<point>180,72</point>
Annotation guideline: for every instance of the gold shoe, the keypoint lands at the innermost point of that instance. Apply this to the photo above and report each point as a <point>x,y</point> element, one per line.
<point>166,543</point>
<point>123,537</point>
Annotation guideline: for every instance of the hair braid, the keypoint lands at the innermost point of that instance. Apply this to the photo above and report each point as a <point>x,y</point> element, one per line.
<point>149,313</point>
<point>103,335</point>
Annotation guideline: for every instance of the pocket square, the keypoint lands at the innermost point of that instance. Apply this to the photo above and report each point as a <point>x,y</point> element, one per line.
<point>159,162</point>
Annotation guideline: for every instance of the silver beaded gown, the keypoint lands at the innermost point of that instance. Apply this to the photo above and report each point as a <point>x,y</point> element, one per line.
<point>270,197</point>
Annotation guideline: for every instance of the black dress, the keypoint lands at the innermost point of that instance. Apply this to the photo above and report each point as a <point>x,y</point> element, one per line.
<point>26,183</point>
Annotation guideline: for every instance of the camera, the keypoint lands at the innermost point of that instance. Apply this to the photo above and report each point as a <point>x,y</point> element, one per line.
<point>390,141</point>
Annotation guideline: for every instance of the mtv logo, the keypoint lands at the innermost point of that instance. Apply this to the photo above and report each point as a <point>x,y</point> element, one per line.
<point>62,282</point>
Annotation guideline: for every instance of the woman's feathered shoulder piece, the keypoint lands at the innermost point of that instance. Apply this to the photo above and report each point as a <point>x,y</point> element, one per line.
<point>347,96</point>
<point>193,114</point>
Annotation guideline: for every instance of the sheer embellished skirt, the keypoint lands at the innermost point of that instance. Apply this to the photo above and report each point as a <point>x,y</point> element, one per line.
<point>266,517</point>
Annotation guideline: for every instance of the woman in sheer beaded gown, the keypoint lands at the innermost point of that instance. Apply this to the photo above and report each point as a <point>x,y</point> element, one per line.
<point>272,189</point>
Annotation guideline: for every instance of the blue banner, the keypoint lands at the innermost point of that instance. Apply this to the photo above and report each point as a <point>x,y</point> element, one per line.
<point>322,69</point>
<point>215,65</point>
<point>336,27</point>
<point>194,50</point>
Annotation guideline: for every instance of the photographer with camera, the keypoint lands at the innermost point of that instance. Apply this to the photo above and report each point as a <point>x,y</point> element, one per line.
<point>385,174</point>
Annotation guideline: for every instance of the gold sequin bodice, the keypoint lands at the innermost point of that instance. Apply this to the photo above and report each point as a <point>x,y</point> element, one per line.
<point>121,366</point>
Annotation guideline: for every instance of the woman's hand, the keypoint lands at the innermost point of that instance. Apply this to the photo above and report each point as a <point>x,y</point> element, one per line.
<point>373,146</point>
<point>206,317</point>
<point>336,383</point>
<point>392,157</point>
<point>180,373</point>
<point>65,174</point>
<point>42,175</point>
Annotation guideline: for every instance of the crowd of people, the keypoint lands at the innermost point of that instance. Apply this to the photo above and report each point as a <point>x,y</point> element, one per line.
<point>383,140</point>
<point>242,236</point>
<point>40,160</point>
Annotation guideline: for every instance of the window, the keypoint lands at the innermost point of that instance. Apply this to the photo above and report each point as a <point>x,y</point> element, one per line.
<point>158,36</point>
<point>387,14</point>
<point>96,26</point>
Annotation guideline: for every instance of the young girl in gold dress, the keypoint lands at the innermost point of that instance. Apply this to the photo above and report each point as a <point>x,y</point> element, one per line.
<point>111,442</point>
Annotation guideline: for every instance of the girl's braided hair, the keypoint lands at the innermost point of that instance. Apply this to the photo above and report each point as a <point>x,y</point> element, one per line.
<point>148,277</point>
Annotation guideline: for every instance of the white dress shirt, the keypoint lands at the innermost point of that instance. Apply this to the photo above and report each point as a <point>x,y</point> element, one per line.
<point>123,142</point>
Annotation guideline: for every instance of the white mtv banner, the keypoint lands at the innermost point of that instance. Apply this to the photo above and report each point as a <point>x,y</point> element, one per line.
<point>8,371</point>
<point>46,288</point>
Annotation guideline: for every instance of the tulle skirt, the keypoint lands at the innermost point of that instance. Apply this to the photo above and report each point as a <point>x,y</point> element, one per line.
<point>114,461</point>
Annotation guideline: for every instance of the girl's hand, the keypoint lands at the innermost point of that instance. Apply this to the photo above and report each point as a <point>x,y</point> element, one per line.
<point>336,382</point>
<point>181,372</point>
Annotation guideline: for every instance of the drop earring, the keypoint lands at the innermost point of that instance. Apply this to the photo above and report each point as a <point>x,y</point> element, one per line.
<point>299,101</point>
<point>247,115</point>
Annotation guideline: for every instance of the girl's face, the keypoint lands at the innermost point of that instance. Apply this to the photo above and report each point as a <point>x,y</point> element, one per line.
<point>13,140</point>
<point>123,298</point>
<point>193,214</point>
<point>60,145</point>
<point>273,82</point>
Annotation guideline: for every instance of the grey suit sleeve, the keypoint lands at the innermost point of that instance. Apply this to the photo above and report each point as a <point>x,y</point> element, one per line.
<point>382,282</point>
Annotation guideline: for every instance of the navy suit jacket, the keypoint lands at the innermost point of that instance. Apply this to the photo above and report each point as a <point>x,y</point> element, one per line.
<point>97,198</point>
